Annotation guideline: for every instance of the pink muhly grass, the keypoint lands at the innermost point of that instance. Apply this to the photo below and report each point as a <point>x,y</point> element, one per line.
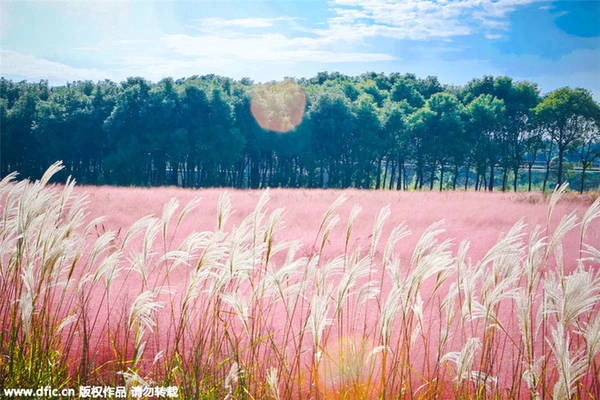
<point>301,294</point>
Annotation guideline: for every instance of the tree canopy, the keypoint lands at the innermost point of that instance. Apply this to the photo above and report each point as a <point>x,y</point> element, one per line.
<point>371,131</point>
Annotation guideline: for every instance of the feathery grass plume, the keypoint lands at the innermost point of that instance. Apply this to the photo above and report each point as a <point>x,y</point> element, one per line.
<point>505,254</point>
<point>101,244</point>
<point>317,320</point>
<point>283,284</point>
<point>142,317</point>
<point>189,207</point>
<point>175,258</point>
<point>499,284</point>
<point>240,306</point>
<point>391,308</point>
<point>524,304</point>
<point>532,375</point>
<point>132,378</point>
<point>571,367</point>
<point>167,214</point>
<point>356,209</point>
<point>357,270</point>
<point>593,254</point>
<point>534,259</point>
<point>383,215</point>
<point>576,294</point>
<point>258,215</point>
<point>429,258</point>
<point>590,215</point>
<point>273,383</point>
<point>328,222</point>
<point>566,224</point>
<point>52,170</point>
<point>464,359</point>
<point>469,278</point>
<point>274,223</point>
<point>398,233</point>
<point>231,380</point>
<point>137,228</point>
<point>108,269</point>
<point>28,297</point>
<point>224,210</point>
<point>556,195</point>
<point>591,333</point>
<point>447,309</point>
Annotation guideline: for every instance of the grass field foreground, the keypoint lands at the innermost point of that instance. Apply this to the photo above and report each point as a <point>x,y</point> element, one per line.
<point>302,300</point>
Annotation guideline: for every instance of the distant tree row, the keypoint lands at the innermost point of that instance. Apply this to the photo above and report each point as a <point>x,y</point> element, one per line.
<point>373,131</point>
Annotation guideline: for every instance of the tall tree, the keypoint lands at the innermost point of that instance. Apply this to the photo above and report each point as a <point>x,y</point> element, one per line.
<point>128,160</point>
<point>566,114</point>
<point>588,148</point>
<point>485,114</point>
<point>396,144</point>
<point>437,130</point>
<point>366,144</point>
<point>331,123</point>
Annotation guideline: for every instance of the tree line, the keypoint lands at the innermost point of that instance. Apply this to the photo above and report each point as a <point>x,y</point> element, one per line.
<point>392,131</point>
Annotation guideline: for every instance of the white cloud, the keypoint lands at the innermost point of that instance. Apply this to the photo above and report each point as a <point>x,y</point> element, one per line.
<point>355,38</point>
<point>424,19</point>
<point>241,46</point>
<point>213,23</point>
<point>23,66</point>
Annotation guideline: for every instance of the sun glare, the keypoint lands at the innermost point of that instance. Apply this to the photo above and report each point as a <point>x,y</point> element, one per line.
<point>278,106</point>
<point>348,369</point>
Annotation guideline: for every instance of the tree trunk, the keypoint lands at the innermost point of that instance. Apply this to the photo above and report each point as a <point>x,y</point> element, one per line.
<point>467,176</point>
<point>547,175</point>
<point>491,183</point>
<point>529,167</point>
<point>455,178</point>
<point>392,176</point>
<point>378,178</point>
<point>561,151</point>
<point>583,169</point>
<point>385,173</point>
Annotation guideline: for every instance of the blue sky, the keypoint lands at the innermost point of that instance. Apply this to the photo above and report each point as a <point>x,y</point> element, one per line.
<point>551,43</point>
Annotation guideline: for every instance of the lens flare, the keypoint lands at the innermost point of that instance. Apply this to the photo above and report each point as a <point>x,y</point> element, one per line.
<point>349,368</point>
<point>279,106</point>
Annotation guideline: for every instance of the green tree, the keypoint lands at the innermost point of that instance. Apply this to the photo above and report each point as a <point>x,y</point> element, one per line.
<point>588,148</point>
<point>485,115</point>
<point>128,160</point>
<point>437,133</point>
<point>566,114</point>
<point>404,89</point>
<point>518,99</point>
<point>22,150</point>
<point>396,145</point>
<point>365,144</point>
<point>331,123</point>
<point>194,129</point>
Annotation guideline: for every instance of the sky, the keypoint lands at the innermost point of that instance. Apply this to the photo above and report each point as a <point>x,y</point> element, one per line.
<point>551,43</point>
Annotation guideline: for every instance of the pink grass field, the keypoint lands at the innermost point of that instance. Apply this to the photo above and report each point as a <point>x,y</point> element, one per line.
<point>316,302</point>
<point>478,217</point>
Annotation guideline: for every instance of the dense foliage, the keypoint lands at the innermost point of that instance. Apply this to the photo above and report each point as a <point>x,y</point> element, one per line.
<point>374,131</point>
